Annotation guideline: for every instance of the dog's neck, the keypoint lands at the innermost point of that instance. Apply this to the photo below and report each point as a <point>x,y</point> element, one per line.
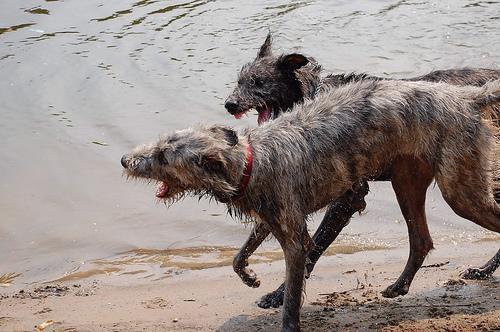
<point>240,165</point>
<point>246,174</point>
<point>312,82</point>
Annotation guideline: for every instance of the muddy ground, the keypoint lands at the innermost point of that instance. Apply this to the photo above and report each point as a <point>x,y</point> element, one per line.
<point>343,293</point>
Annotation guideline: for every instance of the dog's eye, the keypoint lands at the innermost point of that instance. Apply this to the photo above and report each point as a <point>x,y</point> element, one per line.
<point>256,81</point>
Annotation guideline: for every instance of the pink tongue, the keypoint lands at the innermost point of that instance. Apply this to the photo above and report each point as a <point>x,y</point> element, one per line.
<point>238,115</point>
<point>162,190</point>
<point>264,116</point>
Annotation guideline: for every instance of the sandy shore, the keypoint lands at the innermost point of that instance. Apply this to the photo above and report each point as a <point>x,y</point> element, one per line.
<point>343,293</point>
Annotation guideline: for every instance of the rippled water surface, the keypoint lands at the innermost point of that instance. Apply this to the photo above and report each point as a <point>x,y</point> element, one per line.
<point>84,81</point>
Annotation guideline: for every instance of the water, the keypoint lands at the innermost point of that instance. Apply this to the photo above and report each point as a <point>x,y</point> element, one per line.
<point>84,81</point>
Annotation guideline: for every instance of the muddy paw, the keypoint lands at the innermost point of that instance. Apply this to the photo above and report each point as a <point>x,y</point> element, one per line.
<point>476,274</point>
<point>273,299</point>
<point>395,291</point>
<point>249,278</point>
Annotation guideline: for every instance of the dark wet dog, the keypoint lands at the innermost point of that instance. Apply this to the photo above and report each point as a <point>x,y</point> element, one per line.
<point>272,85</point>
<point>279,173</point>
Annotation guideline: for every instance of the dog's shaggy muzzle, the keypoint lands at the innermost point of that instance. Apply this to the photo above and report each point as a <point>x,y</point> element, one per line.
<point>136,166</point>
<point>140,167</point>
<point>124,161</point>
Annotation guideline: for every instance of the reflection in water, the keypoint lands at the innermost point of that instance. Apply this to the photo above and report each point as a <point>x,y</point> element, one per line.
<point>489,238</point>
<point>115,15</point>
<point>15,27</point>
<point>45,36</point>
<point>7,279</point>
<point>37,10</point>
<point>77,275</point>
<point>82,83</point>
<point>174,261</point>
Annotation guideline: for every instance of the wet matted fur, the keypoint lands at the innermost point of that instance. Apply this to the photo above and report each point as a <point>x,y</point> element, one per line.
<point>301,161</point>
<point>272,84</point>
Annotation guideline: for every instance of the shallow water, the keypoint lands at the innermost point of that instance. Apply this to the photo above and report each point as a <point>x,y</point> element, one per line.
<point>84,81</point>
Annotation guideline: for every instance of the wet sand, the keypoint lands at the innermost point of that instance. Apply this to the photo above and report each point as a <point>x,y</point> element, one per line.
<point>343,293</point>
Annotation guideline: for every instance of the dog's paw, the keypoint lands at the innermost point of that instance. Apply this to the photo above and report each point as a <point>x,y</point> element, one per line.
<point>273,299</point>
<point>249,278</point>
<point>476,274</point>
<point>395,290</point>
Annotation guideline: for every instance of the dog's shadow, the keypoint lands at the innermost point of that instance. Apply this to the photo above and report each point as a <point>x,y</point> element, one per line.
<point>457,305</point>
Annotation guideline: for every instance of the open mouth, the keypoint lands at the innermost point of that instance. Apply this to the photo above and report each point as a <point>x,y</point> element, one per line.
<point>239,115</point>
<point>264,114</point>
<point>162,190</point>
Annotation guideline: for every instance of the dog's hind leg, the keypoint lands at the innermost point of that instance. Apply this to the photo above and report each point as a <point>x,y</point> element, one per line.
<point>337,216</point>
<point>468,192</point>
<point>485,271</point>
<point>240,261</point>
<point>410,179</point>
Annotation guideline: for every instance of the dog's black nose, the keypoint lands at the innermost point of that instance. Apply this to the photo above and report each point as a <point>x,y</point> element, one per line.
<point>231,106</point>
<point>124,161</point>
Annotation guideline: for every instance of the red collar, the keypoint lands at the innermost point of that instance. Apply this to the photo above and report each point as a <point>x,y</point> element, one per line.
<point>247,172</point>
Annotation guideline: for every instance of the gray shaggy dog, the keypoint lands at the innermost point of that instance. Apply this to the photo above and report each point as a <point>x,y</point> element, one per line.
<point>271,84</point>
<point>281,172</point>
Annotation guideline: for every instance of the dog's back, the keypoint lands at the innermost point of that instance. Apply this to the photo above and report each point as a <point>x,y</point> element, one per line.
<point>357,130</point>
<point>463,76</point>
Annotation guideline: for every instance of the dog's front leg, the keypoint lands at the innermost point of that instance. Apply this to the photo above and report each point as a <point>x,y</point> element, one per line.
<point>337,216</point>
<point>295,259</point>
<point>296,243</point>
<point>240,261</point>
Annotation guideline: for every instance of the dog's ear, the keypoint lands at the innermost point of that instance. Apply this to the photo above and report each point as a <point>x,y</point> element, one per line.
<point>265,49</point>
<point>290,62</point>
<point>213,164</point>
<point>229,135</point>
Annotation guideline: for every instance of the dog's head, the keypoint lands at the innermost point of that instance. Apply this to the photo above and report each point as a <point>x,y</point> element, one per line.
<point>268,84</point>
<point>199,162</point>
